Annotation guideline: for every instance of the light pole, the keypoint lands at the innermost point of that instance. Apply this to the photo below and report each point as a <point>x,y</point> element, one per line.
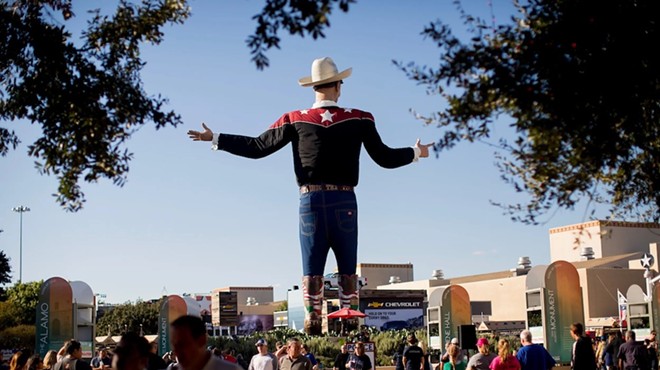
<point>21,210</point>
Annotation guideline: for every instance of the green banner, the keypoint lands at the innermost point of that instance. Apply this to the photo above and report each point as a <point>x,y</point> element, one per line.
<point>54,315</point>
<point>171,309</point>
<point>562,306</point>
<point>655,307</point>
<point>454,311</point>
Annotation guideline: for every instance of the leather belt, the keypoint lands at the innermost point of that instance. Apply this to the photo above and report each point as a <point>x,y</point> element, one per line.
<point>325,187</point>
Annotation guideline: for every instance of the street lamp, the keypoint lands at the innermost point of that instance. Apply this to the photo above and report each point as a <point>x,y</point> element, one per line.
<point>21,210</point>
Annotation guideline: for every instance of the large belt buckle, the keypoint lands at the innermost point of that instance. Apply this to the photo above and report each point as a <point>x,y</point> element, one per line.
<point>331,187</point>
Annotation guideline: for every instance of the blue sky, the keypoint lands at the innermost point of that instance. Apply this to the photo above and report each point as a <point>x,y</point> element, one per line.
<point>191,220</point>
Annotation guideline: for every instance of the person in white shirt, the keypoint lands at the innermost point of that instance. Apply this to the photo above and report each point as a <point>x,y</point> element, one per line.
<point>263,360</point>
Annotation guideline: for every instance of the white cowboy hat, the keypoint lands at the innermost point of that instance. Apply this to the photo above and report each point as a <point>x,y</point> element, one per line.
<point>324,70</point>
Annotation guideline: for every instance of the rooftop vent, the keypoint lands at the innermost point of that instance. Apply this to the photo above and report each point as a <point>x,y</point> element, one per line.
<point>524,263</point>
<point>523,267</point>
<point>437,275</point>
<point>587,253</point>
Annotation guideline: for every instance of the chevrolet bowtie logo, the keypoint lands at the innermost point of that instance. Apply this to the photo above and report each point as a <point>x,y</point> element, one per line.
<point>375,304</point>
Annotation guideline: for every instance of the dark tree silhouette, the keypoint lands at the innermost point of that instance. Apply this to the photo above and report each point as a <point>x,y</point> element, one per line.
<point>579,80</point>
<point>88,98</point>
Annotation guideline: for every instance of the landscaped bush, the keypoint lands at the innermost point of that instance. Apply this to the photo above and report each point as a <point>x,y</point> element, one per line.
<point>18,337</point>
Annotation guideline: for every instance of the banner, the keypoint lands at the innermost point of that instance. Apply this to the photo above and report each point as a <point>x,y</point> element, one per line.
<point>454,311</point>
<point>171,309</point>
<point>655,307</point>
<point>393,314</point>
<point>228,309</point>
<point>250,324</point>
<point>54,315</point>
<point>563,307</point>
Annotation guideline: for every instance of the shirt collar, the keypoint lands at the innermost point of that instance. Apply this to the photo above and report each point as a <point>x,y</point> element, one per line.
<point>325,103</point>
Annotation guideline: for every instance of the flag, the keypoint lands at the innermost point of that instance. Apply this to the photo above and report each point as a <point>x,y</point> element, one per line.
<point>623,306</point>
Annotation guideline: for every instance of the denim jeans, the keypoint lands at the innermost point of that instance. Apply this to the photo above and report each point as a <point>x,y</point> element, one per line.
<point>328,220</point>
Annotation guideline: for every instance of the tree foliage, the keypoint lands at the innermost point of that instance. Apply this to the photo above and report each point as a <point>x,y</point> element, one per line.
<point>5,273</point>
<point>580,81</point>
<point>24,297</point>
<point>128,317</point>
<point>301,17</point>
<point>87,97</point>
<point>7,315</point>
<point>19,337</point>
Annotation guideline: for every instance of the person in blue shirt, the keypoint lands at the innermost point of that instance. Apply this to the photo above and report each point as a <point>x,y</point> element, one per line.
<point>533,356</point>
<point>102,360</point>
<point>310,356</point>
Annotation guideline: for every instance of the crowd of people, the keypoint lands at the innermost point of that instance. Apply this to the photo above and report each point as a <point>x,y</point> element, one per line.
<point>188,340</point>
<point>608,352</point>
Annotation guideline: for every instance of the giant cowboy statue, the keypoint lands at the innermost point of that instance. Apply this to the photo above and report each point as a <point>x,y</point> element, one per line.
<point>326,141</point>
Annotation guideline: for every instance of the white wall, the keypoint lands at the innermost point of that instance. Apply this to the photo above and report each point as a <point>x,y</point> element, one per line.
<point>607,238</point>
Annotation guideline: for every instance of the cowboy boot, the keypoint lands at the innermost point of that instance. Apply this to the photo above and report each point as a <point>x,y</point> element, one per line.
<point>312,300</point>
<point>348,292</point>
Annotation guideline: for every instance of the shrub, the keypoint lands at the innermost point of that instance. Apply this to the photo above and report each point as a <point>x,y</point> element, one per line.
<point>18,337</point>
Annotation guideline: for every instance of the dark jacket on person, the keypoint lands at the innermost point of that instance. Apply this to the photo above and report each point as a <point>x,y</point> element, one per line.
<point>633,355</point>
<point>584,357</point>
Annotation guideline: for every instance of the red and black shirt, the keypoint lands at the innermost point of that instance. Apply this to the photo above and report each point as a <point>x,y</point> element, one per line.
<point>326,144</point>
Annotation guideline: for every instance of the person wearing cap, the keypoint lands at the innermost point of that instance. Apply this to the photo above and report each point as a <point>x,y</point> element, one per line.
<point>263,360</point>
<point>456,360</point>
<point>482,359</point>
<point>445,356</point>
<point>326,141</point>
<point>413,356</point>
<point>533,356</point>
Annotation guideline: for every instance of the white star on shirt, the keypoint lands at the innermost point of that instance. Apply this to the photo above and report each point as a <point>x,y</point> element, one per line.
<point>348,110</point>
<point>327,116</point>
<point>304,111</point>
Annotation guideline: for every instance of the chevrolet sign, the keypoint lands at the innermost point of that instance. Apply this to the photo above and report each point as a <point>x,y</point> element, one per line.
<point>395,304</point>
